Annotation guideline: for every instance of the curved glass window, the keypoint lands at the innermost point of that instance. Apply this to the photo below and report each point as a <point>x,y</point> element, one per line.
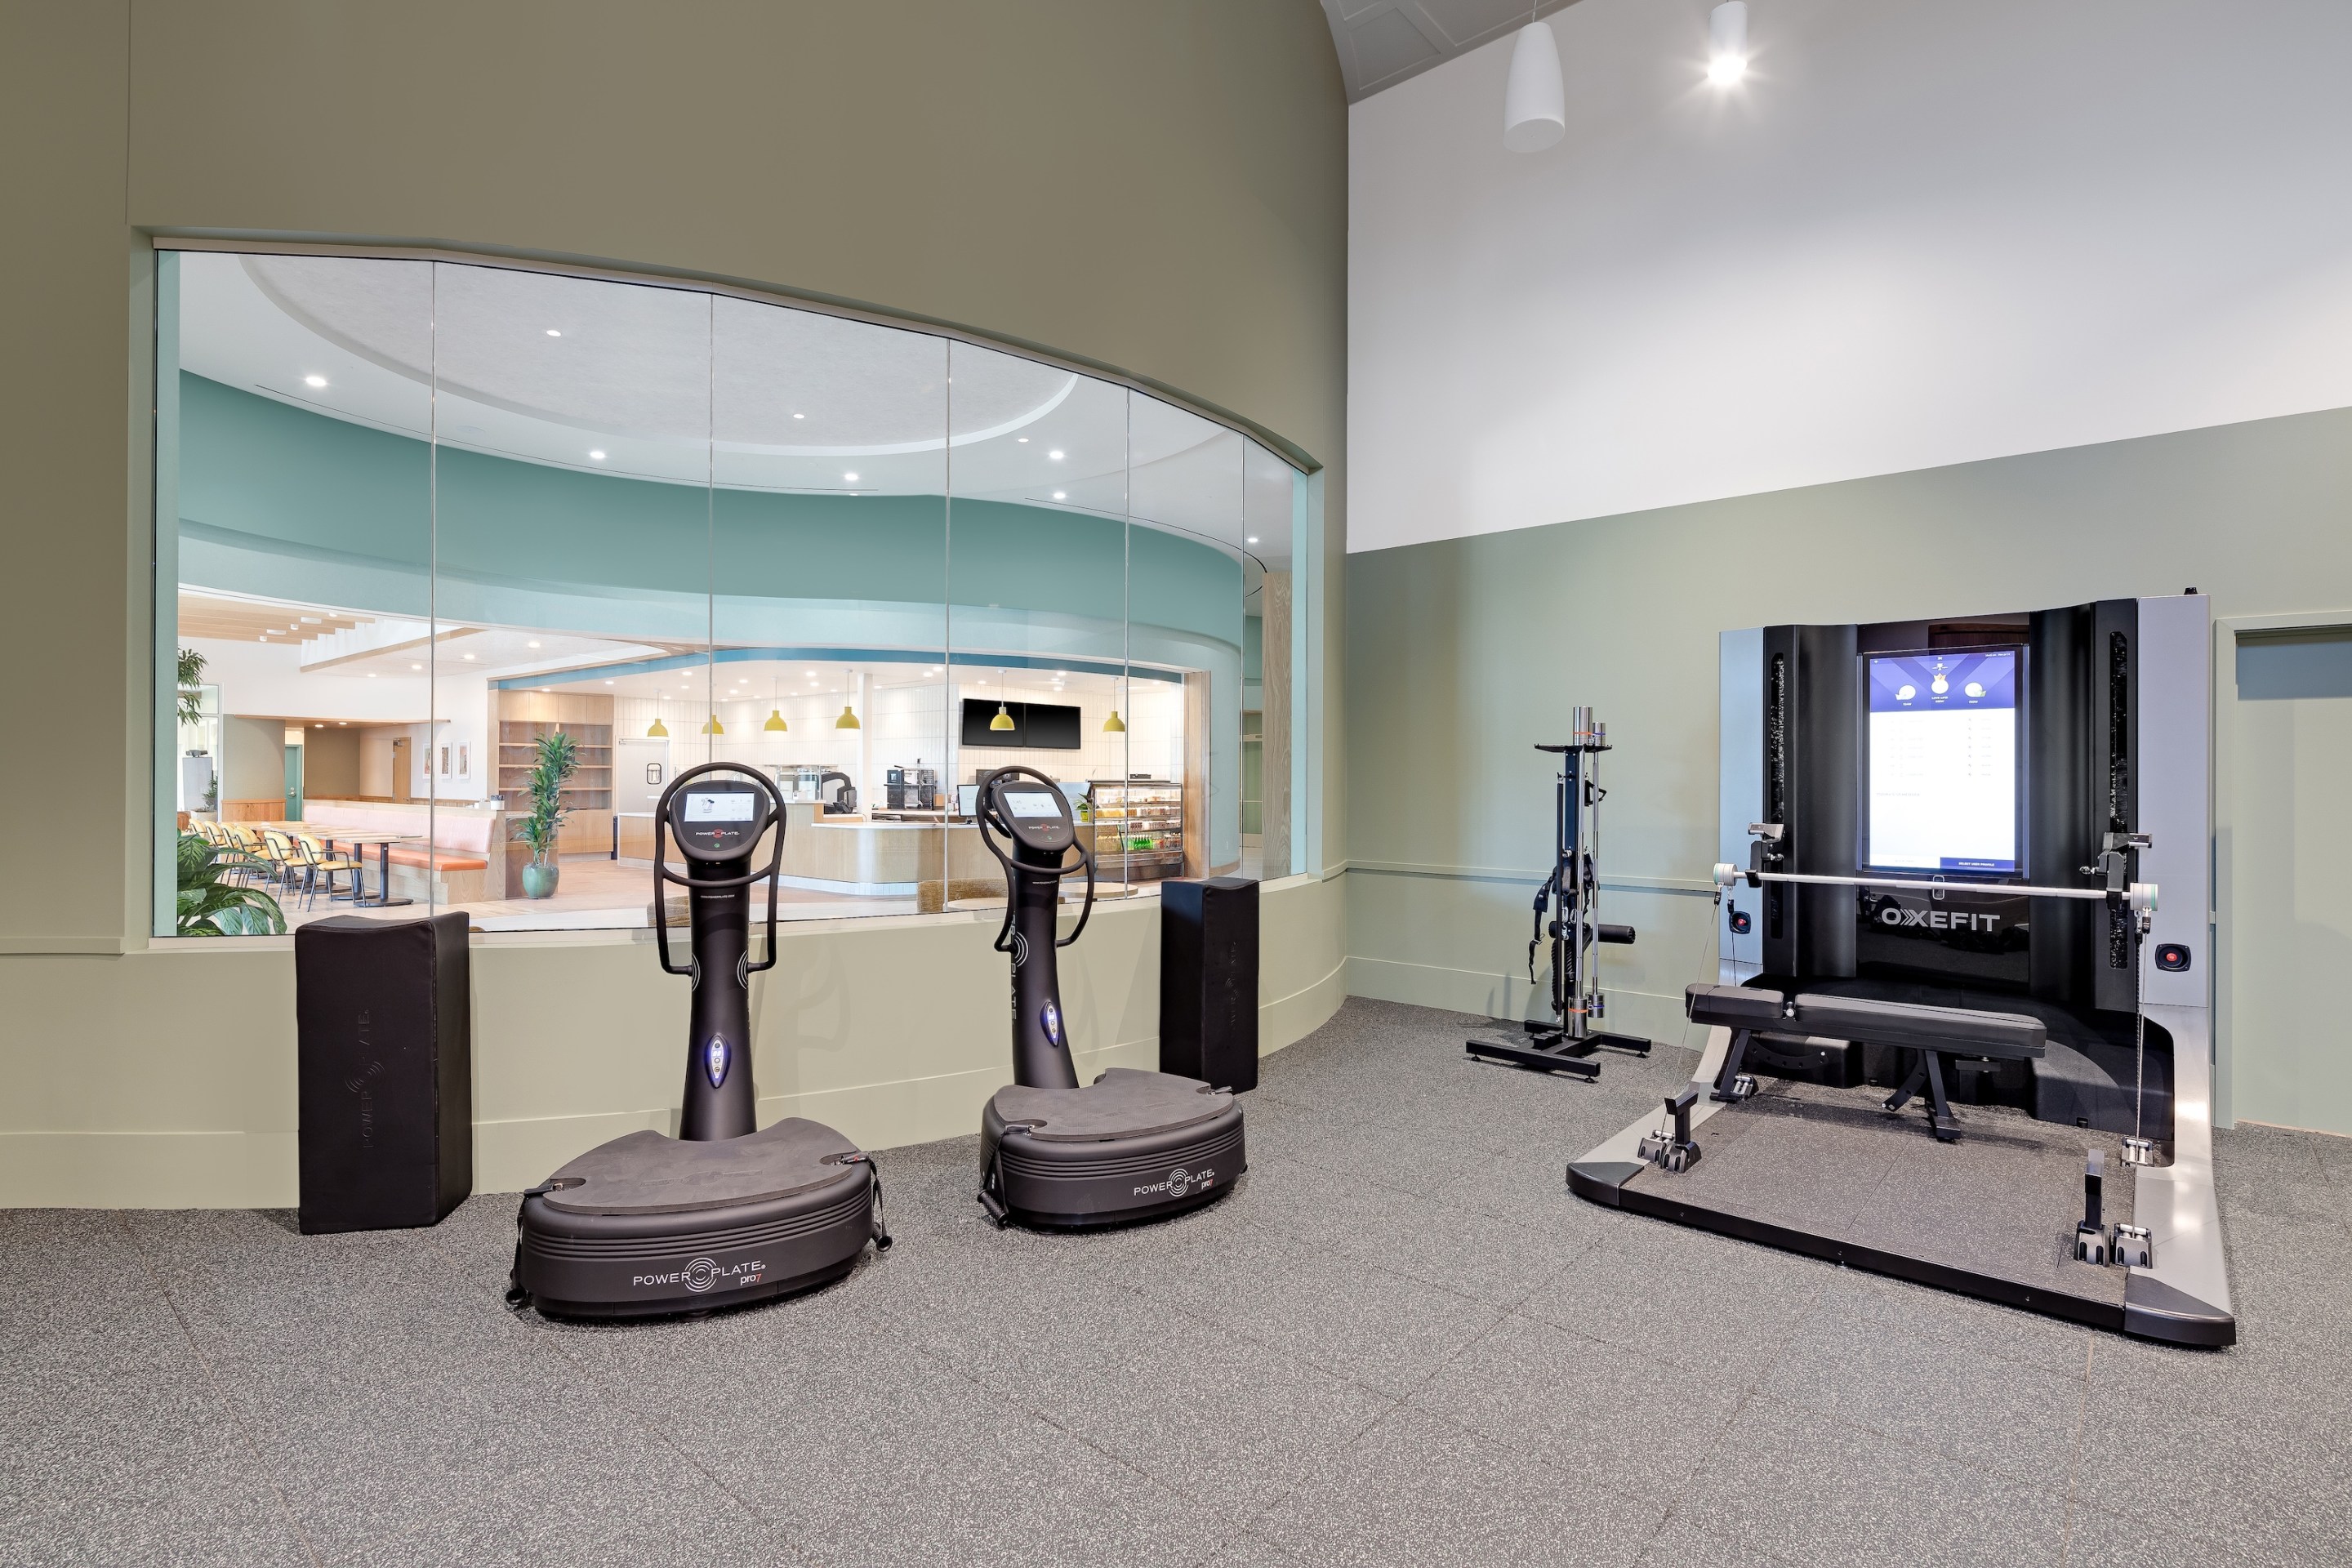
<point>462,563</point>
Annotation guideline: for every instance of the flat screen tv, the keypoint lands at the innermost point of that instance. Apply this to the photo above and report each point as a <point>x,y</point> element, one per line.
<point>1036,726</point>
<point>1943,766</point>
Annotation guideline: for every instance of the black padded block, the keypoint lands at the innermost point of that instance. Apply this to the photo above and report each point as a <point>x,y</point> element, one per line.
<point>384,1071</point>
<point>1208,980</point>
<point>1961,1031</point>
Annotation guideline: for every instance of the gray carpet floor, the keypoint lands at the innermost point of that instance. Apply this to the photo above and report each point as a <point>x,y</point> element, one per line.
<point>1400,1342</point>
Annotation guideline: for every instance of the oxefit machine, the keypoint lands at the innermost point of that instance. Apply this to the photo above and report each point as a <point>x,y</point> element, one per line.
<point>1132,1145</point>
<point>1567,912</point>
<point>727,1212</point>
<point>1963,890</point>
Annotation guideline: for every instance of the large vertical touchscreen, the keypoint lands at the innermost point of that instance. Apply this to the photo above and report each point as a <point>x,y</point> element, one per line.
<point>1943,761</point>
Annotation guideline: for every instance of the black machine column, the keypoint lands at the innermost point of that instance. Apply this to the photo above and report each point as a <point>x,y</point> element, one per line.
<point>1812,718</point>
<point>1028,810</point>
<point>717,823</point>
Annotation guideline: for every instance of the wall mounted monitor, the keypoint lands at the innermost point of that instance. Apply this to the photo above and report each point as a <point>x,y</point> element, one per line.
<point>1943,763</point>
<point>1036,726</point>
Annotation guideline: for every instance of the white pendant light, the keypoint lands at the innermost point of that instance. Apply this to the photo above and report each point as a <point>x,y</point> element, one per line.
<point>1726,55</point>
<point>1534,105</point>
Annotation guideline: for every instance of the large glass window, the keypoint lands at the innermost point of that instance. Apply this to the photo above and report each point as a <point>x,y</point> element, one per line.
<point>459,565</point>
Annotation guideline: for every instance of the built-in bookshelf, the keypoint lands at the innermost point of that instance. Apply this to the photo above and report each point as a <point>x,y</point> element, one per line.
<point>523,717</point>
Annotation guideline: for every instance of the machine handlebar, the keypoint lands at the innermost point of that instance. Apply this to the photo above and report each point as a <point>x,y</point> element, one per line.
<point>982,819</point>
<point>772,873</point>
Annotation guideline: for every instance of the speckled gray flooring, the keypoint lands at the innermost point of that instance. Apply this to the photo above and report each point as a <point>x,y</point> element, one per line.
<point>1399,1342</point>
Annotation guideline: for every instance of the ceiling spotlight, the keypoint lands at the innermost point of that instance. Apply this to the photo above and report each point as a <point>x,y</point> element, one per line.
<point>849,478</point>
<point>608,683</point>
<point>416,667</point>
<point>598,454</point>
<point>371,675</point>
<point>1727,37</point>
<point>314,380</point>
<point>1061,495</point>
<point>546,689</point>
<point>467,657</point>
<point>1253,539</point>
<point>1055,456</point>
<point>553,334</point>
<point>800,416</point>
<point>530,645</point>
<point>1022,439</point>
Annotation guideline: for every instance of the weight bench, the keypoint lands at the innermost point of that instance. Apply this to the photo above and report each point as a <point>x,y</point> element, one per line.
<point>1934,1033</point>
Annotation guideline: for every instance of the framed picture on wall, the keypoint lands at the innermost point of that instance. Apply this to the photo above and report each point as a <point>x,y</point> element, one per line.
<point>464,766</point>
<point>445,762</point>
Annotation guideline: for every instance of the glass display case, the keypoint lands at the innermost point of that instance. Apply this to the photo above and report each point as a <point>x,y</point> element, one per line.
<point>1139,828</point>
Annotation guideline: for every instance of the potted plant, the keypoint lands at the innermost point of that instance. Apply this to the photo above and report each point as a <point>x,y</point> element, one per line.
<point>209,904</point>
<point>191,677</point>
<point>539,828</point>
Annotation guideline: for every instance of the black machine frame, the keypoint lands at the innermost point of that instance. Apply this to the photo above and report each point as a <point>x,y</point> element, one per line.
<point>1570,897</point>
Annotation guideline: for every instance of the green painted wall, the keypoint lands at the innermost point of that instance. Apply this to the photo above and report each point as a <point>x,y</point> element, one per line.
<point>284,494</point>
<point>1464,653</point>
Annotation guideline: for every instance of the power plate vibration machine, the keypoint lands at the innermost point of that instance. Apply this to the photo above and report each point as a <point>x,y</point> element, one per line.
<point>1132,1145</point>
<point>728,1212</point>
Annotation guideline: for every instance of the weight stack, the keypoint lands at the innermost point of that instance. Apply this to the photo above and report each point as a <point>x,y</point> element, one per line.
<point>384,1071</point>
<point>1208,980</point>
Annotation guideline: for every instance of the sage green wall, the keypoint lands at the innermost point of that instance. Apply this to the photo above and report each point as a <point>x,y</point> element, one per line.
<point>1156,190</point>
<point>1462,654</point>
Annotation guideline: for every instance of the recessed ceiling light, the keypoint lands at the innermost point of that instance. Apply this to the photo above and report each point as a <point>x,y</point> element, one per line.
<point>608,683</point>
<point>1061,495</point>
<point>314,380</point>
<point>342,723</point>
<point>371,675</point>
<point>545,689</point>
<point>416,667</point>
<point>849,478</point>
<point>467,657</point>
<point>800,416</point>
<point>553,333</point>
<point>1055,456</point>
<point>530,645</point>
<point>1022,439</point>
<point>598,454</point>
<point>1253,539</point>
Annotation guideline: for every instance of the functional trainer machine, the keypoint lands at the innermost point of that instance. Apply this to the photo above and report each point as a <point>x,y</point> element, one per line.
<point>1567,912</point>
<point>1132,1145</point>
<point>1954,834</point>
<point>728,1212</point>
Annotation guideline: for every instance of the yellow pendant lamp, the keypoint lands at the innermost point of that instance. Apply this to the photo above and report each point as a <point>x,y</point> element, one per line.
<point>657,730</point>
<point>1003,721</point>
<point>775,724</point>
<point>1114,726</point>
<point>849,719</point>
<point>711,726</point>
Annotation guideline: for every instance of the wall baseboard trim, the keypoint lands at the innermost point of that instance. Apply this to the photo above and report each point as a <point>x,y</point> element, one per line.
<point>1508,997</point>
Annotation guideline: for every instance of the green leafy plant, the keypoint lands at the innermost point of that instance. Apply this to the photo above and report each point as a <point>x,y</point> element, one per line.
<point>559,758</point>
<point>209,904</point>
<point>191,679</point>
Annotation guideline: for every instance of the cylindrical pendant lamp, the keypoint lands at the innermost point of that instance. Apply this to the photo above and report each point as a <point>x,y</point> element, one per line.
<point>1534,105</point>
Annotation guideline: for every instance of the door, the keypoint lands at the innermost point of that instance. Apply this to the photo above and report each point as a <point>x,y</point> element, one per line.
<point>293,784</point>
<point>400,768</point>
<point>2287,922</point>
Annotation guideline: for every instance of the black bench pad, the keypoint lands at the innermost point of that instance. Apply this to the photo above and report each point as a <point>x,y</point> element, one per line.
<point>1958,1031</point>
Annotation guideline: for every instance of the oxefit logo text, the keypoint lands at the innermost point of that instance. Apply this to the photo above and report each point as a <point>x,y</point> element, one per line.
<point>1179,1182</point>
<point>1939,919</point>
<point>703,1274</point>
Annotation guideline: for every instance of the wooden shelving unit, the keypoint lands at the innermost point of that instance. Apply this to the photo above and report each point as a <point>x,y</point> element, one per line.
<point>1138,827</point>
<point>523,717</point>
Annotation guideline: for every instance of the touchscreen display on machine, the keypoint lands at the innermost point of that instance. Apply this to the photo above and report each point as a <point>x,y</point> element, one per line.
<point>720,806</point>
<point>1943,761</point>
<point>1033,803</point>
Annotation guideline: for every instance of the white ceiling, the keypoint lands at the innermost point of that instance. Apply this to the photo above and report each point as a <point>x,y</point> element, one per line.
<point>1383,42</point>
<point>687,387</point>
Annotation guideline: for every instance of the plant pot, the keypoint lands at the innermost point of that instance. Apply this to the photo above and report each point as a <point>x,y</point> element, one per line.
<point>538,879</point>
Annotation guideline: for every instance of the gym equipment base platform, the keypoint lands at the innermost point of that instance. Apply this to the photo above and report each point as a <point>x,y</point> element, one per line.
<point>1828,1173</point>
<point>1544,1048</point>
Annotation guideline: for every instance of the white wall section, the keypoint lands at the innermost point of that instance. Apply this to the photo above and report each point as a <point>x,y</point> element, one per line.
<point>1917,234</point>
